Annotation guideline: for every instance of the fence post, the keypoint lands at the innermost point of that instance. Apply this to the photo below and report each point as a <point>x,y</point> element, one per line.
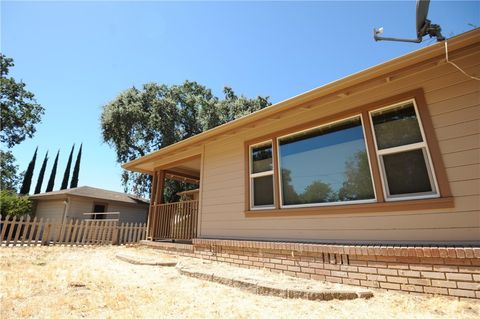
<point>46,233</point>
<point>24,234</point>
<point>115,235</point>
<point>4,227</point>
<point>18,230</point>
<point>32,231</point>
<point>10,231</point>
<point>40,229</point>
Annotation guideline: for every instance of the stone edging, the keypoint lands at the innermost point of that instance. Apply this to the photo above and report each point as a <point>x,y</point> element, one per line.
<point>267,290</point>
<point>144,261</point>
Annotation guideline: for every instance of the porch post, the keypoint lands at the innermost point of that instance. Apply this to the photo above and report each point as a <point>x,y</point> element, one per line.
<point>160,219</point>
<point>160,187</point>
<point>151,208</point>
<point>156,198</point>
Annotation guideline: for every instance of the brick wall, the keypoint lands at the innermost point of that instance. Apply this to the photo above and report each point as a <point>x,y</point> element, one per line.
<point>430,270</point>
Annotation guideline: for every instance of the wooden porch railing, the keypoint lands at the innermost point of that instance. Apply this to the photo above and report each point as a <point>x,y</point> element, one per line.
<point>173,220</point>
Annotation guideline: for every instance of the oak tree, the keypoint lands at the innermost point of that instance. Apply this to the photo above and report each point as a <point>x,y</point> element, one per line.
<point>146,119</point>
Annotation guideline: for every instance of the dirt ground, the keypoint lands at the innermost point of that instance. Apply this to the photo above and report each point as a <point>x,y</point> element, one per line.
<point>89,282</point>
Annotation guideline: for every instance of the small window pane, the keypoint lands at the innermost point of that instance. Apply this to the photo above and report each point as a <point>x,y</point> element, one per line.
<point>397,126</point>
<point>262,158</point>
<point>263,191</point>
<point>326,164</point>
<point>407,173</point>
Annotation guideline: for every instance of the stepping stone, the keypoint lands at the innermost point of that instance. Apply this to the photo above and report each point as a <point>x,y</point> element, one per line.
<point>149,261</point>
<point>288,289</point>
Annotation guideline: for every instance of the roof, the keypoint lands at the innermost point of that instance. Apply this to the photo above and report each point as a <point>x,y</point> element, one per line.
<point>92,192</point>
<point>336,89</point>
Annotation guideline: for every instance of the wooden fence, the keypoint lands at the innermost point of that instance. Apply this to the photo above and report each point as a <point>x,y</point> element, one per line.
<point>32,232</point>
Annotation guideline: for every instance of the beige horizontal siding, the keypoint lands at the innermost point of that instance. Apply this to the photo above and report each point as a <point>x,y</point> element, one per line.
<point>451,118</point>
<point>51,209</point>
<point>78,207</point>
<point>468,203</point>
<point>454,103</point>
<point>442,220</point>
<point>457,144</point>
<point>129,213</point>
<point>462,158</point>
<point>465,172</point>
<point>467,128</point>
<point>465,187</point>
<point>335,235</point>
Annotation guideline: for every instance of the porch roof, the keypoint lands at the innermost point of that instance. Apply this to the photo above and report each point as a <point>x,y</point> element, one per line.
<point>332,91</point>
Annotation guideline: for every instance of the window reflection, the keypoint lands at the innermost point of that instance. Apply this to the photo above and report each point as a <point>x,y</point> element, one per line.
<point>396,126</point>
<point>263,191</point>
<point>262,158</point>
<point>324,165</point>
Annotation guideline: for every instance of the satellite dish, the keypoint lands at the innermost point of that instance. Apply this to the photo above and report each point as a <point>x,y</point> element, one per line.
<point>421,14</point>
<point>424,26</point>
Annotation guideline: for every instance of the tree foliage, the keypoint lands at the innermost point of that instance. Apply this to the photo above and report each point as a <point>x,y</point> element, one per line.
<point>315,192</point>
<point>318,192</point>
<point>41,174</point>
<point>27,178</point>
<point>358,183</point>
<point>12,204</point>
<point>19,109</point>
<point>76,169</point>
<point>19,114</point>
<point>140,121</point>
<point>8,171</point>
<point>66,175</point>
<point>51,180</point>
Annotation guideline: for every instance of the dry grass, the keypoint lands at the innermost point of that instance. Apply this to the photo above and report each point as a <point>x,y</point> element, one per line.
<point>82,282</point>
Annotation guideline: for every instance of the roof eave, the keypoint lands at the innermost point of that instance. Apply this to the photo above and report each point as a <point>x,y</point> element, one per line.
<point>411,58</point>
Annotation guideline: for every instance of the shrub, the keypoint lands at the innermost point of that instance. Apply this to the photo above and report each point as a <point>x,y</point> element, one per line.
<point>12,204</point>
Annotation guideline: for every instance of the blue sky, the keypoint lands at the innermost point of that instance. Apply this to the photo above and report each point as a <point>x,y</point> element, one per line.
<point>77,56</point>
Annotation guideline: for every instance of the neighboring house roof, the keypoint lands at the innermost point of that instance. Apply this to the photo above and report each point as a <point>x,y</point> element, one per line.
<point>92,192</point>
<point>346,86</point>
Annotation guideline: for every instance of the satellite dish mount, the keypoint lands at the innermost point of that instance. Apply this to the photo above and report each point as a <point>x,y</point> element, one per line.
<point>424,26</point>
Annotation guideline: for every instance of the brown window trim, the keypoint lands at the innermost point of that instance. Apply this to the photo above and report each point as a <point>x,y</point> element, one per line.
<point>444,201</point>
<point>276,190</point>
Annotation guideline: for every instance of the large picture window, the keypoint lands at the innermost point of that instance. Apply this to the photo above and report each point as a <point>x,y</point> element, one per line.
<point>403,154</point>
<point>380,156</point>
<point>261,176</point>
<point>325,165</point>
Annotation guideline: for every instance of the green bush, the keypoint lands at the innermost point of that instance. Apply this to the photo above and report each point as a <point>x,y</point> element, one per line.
<point>12,204</point>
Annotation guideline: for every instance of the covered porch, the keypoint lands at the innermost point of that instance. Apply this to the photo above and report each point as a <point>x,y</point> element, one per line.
<point>176,220</point>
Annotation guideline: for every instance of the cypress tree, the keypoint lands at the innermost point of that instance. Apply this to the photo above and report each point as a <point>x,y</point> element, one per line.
<point>76,169</point>
<point>27,179</point>
<point>66,175</point>
<point>51,180</point>
<point>38,188</point>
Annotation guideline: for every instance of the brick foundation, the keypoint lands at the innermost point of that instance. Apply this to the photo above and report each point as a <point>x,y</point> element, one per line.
<point>451,271</point>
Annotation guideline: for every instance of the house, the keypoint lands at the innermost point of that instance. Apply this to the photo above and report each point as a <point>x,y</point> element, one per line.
<point>378,169</point>
<point>90,203</point>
